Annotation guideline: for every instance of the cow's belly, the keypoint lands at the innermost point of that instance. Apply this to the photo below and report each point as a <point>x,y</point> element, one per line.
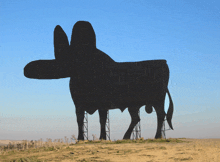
<point>118,96</point>
<point>120,99</point>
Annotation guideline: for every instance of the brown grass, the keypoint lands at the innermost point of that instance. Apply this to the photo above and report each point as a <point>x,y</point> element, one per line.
<point>172,149</point>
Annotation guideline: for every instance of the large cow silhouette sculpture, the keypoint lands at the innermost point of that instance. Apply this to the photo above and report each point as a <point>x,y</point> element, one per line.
<point>97,82</point>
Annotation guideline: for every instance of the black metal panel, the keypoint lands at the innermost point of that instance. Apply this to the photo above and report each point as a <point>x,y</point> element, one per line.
<point>97,81</point>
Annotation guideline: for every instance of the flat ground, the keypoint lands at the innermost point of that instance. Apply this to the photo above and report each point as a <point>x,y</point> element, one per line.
<point>201,150</point>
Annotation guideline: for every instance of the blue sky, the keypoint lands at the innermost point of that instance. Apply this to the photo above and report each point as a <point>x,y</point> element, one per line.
<point>185,33</point>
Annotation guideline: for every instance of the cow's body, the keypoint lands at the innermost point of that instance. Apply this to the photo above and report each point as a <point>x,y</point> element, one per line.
<point>97,82</point>
<point>123,85</point>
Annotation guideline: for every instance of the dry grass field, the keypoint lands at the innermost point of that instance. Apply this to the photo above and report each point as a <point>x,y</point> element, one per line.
<point>148,150</point>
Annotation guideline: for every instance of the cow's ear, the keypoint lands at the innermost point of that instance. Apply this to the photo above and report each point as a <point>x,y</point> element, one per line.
<point>61,44</point>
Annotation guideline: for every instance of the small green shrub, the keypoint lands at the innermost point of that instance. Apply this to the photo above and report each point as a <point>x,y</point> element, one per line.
<point>49,149</point>
<point>163,148</point>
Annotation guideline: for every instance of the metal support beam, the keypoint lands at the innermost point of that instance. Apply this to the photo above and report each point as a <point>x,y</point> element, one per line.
<point>163,135</point>
<point>163,130</point>
<point>85,126</point>
<point>136,133</point>
<point>107,127</point>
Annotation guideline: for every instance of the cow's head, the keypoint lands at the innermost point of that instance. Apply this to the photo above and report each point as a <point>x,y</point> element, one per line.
<point>83,37</point>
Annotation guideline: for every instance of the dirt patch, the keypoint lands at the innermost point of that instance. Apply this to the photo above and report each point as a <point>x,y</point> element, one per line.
<point>187,150</point>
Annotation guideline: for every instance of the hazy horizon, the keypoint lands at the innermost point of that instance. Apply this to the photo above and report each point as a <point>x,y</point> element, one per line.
<point>185,33</point>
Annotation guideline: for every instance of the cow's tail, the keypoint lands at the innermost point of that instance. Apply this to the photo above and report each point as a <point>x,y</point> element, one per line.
<point>170,111</point>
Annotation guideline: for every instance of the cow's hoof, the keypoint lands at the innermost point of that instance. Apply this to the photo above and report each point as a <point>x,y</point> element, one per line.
<point>80,138</point>
<point>157,137</point>
<point>102,138</point>
<point>126,138</point>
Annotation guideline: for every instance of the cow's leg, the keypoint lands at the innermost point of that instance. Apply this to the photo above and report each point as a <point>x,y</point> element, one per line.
<point>102,118</point>
<point>80,118</point>
<point>134,120</point>
<point>159,108</point>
